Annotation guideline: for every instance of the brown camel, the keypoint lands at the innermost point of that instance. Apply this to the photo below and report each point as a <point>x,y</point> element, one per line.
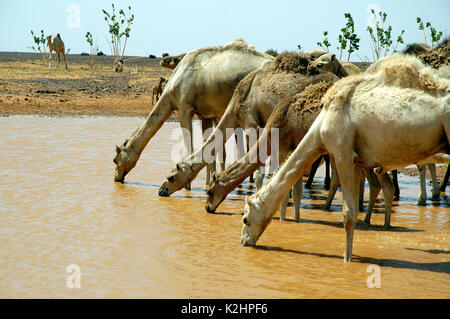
<point>56,45</point>
<point>171,62</point>
<point>158,89</point>
<point>251,105</point>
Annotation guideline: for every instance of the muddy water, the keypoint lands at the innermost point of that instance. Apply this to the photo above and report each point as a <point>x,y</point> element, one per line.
<point>59,206</point>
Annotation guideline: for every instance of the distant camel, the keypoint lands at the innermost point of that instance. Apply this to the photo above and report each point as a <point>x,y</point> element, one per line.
<point>157,89</point>
<point>56,45</point>
<point>171,61</point>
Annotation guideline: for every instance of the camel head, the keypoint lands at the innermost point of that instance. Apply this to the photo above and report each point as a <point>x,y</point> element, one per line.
<point>171,61</point>
<point>216,194</point>
<point>255,220</point>
<point>327,63</point>
<point>49,38</point>
<point>177,178</point>
<point>125,161</point>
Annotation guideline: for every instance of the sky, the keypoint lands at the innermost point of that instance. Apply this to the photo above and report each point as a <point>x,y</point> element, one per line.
<point>178,26</point>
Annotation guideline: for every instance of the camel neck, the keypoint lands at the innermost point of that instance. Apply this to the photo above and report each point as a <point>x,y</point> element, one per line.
<point>293,169</point>
<point>159,114</point>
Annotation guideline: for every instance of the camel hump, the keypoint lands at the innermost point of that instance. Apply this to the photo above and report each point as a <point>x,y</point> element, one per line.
<point>410,72</point>
<point>291,62</point>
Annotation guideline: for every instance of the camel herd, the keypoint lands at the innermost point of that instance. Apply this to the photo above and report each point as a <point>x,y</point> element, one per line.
<point>394,114</point>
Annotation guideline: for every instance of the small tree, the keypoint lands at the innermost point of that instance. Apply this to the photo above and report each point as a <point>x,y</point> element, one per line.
<point>93,50</point>
<point>434,35</point>
<point>325,44</point>
<point>119,27</point>
<point>381,37</point>
<point>39,44</point>
<point>348,37</point>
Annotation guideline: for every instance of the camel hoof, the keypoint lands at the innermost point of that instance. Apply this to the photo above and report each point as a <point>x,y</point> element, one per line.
<point>386,227</point>
<point>209,209</point>
<point>308,186</point>
<point>436,198</point>
<point>163,192</point>
<point>327,207</point>
<point>367,222</point>
<point>422,202</point>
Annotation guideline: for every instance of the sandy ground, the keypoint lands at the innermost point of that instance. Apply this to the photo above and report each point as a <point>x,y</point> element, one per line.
<point>29,87</point>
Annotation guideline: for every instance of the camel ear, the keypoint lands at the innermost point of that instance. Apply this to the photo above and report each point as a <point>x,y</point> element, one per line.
<point>214,176</point>
<point>333,57</point>
<point>178,167</point>
<point>117,149</point>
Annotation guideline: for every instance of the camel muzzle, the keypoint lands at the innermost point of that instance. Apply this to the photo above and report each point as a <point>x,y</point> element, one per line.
<point>163,192</point>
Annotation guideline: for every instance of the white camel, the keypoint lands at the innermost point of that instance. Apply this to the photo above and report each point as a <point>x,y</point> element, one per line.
<point>395,117</point>
<point>201,84</point>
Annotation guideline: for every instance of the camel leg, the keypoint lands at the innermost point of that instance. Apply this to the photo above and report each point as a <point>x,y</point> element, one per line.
<point>250,178</point>
<point>388,193</point>
<point>435,192</point>
<point>313,171</point>
<point>374,190</point>
<point>283,206</point>
<point>327,180</point>
<point>395,182</point>
<point>57,65</point>
<point>362,185</point>
<point>334,184</point>
<point>422,201</point>
<point>185,119</point>
<point>444,182</point>
<point>297,197</point>
<point>49,59</point>
<point>65,62</point>
<point>349,176</point>
<point>210,168</point>
<point>239,135</point>
<point>258,176</point>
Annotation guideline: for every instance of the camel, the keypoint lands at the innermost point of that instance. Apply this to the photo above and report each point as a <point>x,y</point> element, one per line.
<point>157,89</point>
<point>171,62</point>
<point>293,125</point>
<point>436,59</point>
<point>56,45</point>
<point>385,120</point>
<point>293,121</point>
<point>251,105</point>
<point>202,84</point>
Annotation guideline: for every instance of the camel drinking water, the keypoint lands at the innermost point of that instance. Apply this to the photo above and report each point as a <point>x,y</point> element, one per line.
<point>210,73</point>
<point>250,107</point>
<point>393,118</point>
